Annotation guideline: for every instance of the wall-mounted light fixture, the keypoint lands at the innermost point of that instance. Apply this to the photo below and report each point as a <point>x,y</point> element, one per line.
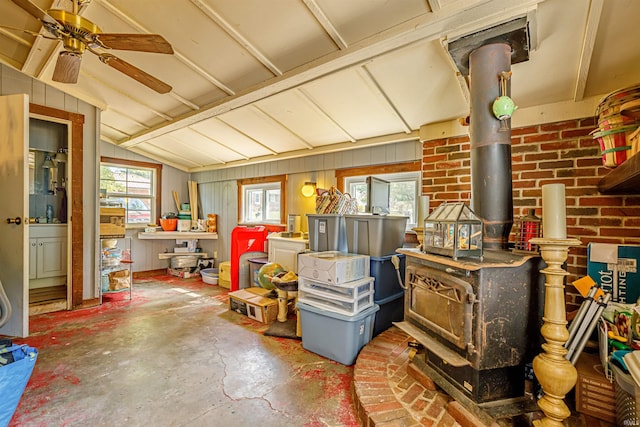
<point>308,189</point>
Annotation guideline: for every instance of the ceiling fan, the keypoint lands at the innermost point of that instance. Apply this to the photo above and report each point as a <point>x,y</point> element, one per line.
<point>79,34</point>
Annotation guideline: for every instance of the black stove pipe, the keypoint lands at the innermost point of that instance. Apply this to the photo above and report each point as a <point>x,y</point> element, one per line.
<point>491,187</point>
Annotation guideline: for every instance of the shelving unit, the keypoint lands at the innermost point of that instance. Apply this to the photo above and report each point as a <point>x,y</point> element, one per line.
<point>625,179</point>
<point>113,260</point>
<point>191,237</point>
<point>177,235</point>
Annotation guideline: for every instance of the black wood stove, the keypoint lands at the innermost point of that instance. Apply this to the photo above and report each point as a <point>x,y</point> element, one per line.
<point>478,318</point>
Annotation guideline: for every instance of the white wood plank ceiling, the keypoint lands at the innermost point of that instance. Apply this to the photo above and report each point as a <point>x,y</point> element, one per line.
<point>258,80</point>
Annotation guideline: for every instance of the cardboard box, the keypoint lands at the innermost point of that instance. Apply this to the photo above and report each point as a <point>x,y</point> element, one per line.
<point>112,222</point>
<point>333,267</point>
<point>615,268</point>
<point>253,303</point>
<point>595,395</point>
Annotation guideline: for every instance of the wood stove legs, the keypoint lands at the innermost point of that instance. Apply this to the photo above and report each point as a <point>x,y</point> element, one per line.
<point>556,375</point>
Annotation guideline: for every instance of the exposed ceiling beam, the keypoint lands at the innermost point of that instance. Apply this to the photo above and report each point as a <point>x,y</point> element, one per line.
<point>180,142</point>
<point>375,88</point>
<point>128,117</point>
<point>314,104</point>
<point>44,51</point>
<point>11,34</point>
<point>176,54</point>
<point>166,155</point>
<point>434,5</point>
<point>331,148</point>
<point>228,28</point>
<point>463,83</point>
<point>266,147</point>
<point>125,94</point>
<point>263,113</point>
<point>588,42</point>
<point>424,27</point>
<point>102,123</point>
<point>326,23</point>
<point>218,142</point>
<point>184,101</point>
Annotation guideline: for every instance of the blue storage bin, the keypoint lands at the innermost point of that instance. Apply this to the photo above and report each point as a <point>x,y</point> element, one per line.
<point>386,283</point>
<point>391,310</point>
<point>336,336</point>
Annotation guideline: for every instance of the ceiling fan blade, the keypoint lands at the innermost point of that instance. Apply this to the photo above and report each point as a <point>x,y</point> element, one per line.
<point>34,10</point>
<point>135,73</point>
<point>67,67</point>
<point>154,43</point>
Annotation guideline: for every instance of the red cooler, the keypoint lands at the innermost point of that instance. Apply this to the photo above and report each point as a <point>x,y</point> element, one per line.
<point>245,239</point>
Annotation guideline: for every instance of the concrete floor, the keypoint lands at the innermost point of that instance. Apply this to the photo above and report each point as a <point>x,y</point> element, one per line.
<point>176,356</point>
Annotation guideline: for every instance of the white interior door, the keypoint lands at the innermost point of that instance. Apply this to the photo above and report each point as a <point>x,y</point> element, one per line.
<point>14,211</point>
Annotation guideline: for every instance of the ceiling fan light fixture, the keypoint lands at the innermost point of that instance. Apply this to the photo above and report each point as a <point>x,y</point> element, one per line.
<point>67,67</point>
<point>79,34</point>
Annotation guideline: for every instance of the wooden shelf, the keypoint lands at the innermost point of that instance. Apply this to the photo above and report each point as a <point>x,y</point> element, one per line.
<point>168,255</point>
<point>178,235</point>
<point>625,179</point>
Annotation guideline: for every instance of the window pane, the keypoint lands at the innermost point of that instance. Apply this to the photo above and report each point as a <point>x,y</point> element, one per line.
<point>261,202</point>
<point>402,199</point>
<point>139,211</point>
<point>114,187</point>
<point>273,205</point>
<point>359,191</point>
<point>132,188</point>
<point>139,175</point>
<point>253,205</point>
<point>403,188</point>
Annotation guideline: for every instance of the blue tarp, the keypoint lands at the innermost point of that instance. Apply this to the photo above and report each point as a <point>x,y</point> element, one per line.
<point>14,377</point>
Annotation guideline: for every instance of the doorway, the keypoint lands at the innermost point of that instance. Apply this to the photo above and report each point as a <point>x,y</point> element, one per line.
<point>55,194</point>
<point>48,218</point>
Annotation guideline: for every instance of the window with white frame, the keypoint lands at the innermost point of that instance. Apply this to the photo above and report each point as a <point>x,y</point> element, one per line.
<point>403,193</point>
<point>132,185</point>
<point>262,200</point>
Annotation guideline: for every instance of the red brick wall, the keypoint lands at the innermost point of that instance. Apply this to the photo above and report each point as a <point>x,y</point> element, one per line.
<point>561,152</point>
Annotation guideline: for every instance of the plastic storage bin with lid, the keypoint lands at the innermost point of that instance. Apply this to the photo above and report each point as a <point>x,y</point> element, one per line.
<point>349,303</point>
<point>375,235</point>
<point>333,335</point>
<point>327,232</point>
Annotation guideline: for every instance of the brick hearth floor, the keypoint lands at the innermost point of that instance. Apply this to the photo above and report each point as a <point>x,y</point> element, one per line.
<point>385,393</point>
<point>390,392</point>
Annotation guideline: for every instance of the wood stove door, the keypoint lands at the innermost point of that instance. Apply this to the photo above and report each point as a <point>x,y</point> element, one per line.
<point>441,303</point>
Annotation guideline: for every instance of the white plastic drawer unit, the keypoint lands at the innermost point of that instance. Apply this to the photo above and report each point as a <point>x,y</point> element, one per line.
<point>352,290</point>
<point>336,304</point>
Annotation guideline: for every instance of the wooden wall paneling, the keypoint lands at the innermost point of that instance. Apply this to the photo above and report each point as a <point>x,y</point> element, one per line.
<point>38,93</point>
<point>14,82</point>
<point>54,98</point>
